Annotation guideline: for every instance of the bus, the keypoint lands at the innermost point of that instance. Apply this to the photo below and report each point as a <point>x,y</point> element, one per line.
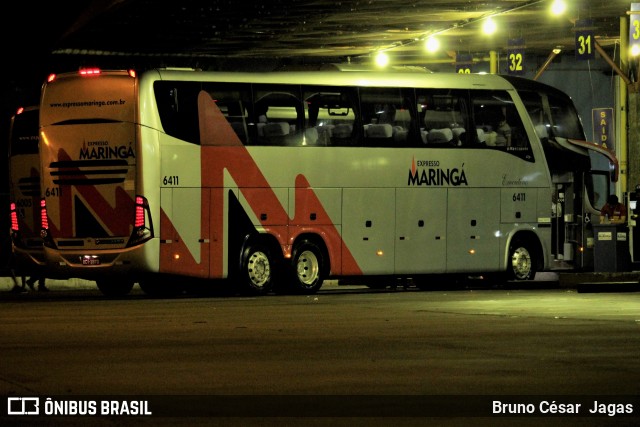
<point>278,181</point>
<point>24,192</point>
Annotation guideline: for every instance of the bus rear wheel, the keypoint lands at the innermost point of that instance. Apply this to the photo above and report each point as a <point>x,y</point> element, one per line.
<point>522,260</point>
<point>114,287</point>
<point>308,263</point>
<point>258,269</point>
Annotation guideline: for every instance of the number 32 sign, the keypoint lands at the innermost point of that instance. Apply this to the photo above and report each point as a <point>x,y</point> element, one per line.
<point>515,56</point>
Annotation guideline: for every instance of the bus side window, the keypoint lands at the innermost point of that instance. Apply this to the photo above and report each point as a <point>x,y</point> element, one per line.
<point>344,121</point>
<point>403,128</point>
<point>498,122</point>
<point>237,118</point>
<point>232,102</point>
<point>518,140</point>
<point>221,117</point>
<point>329,117</point>
<point>445,121</point>
<point>178,108</point>
<point>279,116</point>
<point>24,140</point>
<point>533,103</point>
<point>387,117</point>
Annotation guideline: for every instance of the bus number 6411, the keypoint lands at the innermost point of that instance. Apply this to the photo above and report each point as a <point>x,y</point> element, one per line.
<point>170,180</point>
<point>519,197</point>
<point>53,192</point>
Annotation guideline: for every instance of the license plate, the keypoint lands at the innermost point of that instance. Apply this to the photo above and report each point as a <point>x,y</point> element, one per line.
<point>90,260</point>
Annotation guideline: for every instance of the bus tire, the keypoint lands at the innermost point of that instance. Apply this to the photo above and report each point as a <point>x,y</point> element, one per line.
<point>258,269</point>
<point>308,266</point>
<point>522,260</point>
<point>114,287</point>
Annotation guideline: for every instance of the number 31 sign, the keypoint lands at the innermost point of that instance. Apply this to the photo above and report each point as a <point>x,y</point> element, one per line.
<point>585,40</point>
<point>634,28</point>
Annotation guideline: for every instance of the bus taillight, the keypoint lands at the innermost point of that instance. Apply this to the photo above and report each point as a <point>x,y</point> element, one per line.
<point>51,78</point>
<point>44,225</point>
<point>15,227</point>
<point>140,203</point>
<point>142,224</point>
<point>44,221</point>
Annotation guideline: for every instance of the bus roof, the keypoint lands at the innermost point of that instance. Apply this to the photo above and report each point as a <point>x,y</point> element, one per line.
<point>337,78</point>
<point>393,78</point>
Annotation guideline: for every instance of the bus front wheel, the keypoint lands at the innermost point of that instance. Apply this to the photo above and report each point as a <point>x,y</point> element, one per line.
<point>114,287</point>
<point>307,263</point>
<point>522,260</point>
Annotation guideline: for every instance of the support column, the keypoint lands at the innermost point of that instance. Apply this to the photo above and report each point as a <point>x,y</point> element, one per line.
<point>493,62</point>
<point>622,151</point>
<point>633,160</point>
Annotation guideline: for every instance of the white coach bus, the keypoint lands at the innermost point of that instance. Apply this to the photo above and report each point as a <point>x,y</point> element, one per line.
<point>278,181</point>
<point>24,192</point>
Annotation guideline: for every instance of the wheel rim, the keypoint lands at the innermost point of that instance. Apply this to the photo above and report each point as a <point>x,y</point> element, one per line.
<point>521,263</point>
<point>259,269</point>
<point>307,268</point>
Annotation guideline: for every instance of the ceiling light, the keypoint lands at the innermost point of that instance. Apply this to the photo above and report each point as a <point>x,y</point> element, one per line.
<point>489,26</point>
<point>558,7</point>
<point>432,44</point>
<point>382,59</point>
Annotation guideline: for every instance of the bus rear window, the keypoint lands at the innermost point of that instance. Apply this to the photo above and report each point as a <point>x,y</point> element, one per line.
<point>24,134</point>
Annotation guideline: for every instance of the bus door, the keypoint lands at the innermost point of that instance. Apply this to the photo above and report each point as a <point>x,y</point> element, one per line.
<point>558,210</point>
<point>594,187</point>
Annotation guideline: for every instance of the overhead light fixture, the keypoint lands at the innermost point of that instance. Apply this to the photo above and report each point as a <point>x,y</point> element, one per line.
<point>382,59</point>
<point>558,7</point>
<point>489,27</point>
<point>432,44</point>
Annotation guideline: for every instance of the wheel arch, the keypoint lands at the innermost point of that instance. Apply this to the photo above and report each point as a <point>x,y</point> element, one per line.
<point>528,236</point>
<point>254,238</point>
